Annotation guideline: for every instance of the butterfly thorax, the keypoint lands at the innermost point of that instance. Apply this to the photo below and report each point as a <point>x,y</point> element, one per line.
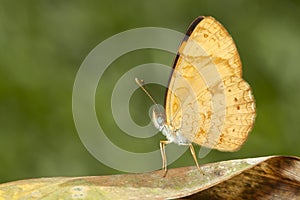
<point>172,134</point>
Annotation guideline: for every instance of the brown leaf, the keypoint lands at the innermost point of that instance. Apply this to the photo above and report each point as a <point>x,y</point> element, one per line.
<point>273,177</point>
<point>277,177</point>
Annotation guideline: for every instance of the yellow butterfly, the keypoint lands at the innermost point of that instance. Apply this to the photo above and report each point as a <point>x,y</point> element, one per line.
<point>207,102</point>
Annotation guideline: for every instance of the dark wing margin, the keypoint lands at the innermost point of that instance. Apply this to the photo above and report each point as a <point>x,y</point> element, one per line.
<point>189,31</point>
<point>193,25</point>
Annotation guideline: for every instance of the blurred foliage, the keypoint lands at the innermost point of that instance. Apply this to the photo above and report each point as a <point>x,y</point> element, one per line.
<point>43,43</point>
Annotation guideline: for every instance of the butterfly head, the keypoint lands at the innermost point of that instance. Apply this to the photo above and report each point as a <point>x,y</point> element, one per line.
<point>158,116</point>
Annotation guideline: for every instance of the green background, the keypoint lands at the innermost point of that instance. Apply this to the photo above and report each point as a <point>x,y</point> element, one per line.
<point>43,43</point>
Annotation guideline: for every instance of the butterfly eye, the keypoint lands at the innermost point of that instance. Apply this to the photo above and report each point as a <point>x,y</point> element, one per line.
<point>158,119</point>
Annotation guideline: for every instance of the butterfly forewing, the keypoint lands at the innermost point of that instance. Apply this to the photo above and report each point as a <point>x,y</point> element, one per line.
<point>207,100</point>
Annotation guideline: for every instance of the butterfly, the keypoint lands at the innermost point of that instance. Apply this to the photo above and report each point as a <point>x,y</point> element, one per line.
<point>207,101</point>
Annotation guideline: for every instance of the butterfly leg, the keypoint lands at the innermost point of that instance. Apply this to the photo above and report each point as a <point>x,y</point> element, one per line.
<point>194,155</point>
<point>195,158</point>
<point>162,146</point>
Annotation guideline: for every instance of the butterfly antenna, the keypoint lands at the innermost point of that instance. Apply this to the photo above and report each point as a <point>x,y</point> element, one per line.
<point>141,83</point>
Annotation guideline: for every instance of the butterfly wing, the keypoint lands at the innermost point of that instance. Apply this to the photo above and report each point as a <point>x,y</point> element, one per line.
<point>207,99</point>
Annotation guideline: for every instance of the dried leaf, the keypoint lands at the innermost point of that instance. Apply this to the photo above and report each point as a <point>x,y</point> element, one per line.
<point>253,178</point>
<point>277,177</point>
